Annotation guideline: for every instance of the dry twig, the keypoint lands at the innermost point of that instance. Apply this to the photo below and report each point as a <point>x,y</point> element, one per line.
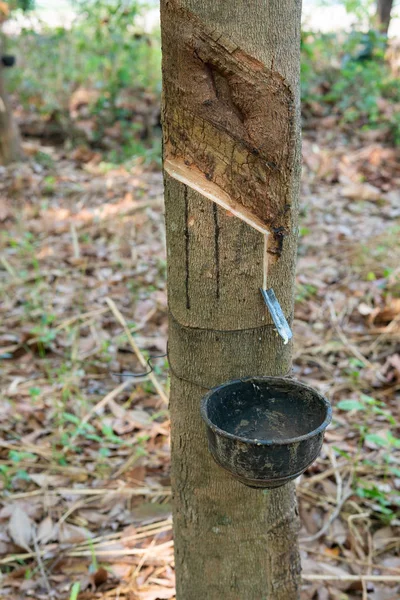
<point>341,497</point>
<point>118,315</point>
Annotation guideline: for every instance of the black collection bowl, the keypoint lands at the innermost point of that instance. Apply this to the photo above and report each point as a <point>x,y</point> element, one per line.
<point>8,60</point>
<point>265,431</point>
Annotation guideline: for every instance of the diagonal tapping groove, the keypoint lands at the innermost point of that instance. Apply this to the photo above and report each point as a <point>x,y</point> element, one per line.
<point>228,125</point>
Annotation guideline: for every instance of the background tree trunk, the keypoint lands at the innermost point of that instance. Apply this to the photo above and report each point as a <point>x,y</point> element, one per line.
<point>231,542</point>
<point>10,146</point>
<point>383,13</point>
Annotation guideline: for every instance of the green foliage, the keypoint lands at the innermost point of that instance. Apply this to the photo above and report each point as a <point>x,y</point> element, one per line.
<point>361,9</point>
<point>106,55</point>
<point>23,5</point>
<point>381,497</point>
<point>385,504</point>
<point>75,591</point>
<point>305,291</point>
<point>370,406</point>
<point>350,405</point>
<point>17,456</point>
<point>115,51</point>
<point>347,76</point>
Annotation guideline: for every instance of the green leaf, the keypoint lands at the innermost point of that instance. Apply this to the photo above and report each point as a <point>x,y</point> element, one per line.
<point>393,440</point>
<point>71,418</point>
<point>350,405</point>
<point>377,439</point>
<point>341,452</point>
<point>17,456</point>
<point>368,399</point>
<point>75,591</point>
<point>104,452</point>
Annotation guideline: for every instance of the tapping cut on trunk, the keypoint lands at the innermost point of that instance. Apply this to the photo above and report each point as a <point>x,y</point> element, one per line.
<point>228,125</point>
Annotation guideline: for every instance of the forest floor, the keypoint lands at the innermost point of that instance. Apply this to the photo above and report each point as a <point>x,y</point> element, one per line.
<point>85,506</point>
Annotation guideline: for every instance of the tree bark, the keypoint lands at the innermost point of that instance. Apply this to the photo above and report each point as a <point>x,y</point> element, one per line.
<point>10,146</point>
<point>243,150</point>
<point>383,13</point>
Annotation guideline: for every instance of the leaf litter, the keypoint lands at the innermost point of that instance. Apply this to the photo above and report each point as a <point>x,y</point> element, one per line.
<point>84,458</point>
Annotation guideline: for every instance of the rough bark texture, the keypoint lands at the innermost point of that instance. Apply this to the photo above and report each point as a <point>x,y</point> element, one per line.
<point>10,147</point>
<point>229,120</point>
<point>232,542</point>
<point>383,13</point>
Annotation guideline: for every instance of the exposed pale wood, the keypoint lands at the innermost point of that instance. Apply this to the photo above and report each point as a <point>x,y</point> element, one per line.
<point>195,179</point>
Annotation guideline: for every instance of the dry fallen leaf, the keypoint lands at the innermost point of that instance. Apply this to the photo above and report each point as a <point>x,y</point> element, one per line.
<point>361,191</point>
<point>387,313</point>
<point>157,593</point>
<point>44,480</point>
<point>4,10</point>
<point>382,537</point>
<point>364,309</point>
<point>391,368</point>
<point>119,243</point>
<point>99,577</point>
<point>20,528</point>
<point>149,512</point>
<point>5,210</point>
<point>72,534</point>
<point>46,531</point>
<point>332,552</point>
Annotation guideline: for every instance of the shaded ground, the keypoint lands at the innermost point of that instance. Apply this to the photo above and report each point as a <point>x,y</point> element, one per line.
<point>84,456</point>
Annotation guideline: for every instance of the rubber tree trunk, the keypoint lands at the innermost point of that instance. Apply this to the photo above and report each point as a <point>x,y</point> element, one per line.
<point>10,146</point>
<point>383,13</point>
<point>231,124</point>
